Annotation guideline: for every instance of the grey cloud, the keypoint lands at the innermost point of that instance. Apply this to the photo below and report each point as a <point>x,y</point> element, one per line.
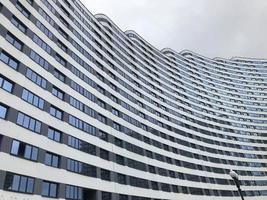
<point>213,28</point>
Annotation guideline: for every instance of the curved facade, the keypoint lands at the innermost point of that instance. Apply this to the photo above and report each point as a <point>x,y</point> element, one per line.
<point>88,112</point>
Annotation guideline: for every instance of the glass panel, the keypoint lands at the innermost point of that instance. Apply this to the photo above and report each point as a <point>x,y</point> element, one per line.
<point>15,147</point>
<point>50,134</point>
<point>55,161</point>
<point>7,86</point>
<point>57,136</point>
<point>28,151</point>
<point>32,124</point>
<point>26,121</point>
<point>30,98</point>
<point>20,119</point>
<point>4,57</point>
<point>13,64</point>
<point>15,182</point>
<point>37,127</point>
<point>45,188</point>
<point>1,81</point>
<point>41,104</point>
<point>3,111</point>
<point>23,182</point>
<point>34,153</point>
<point>48,159</point>
<point>30,185</point>
<point>53,190</point>
<point>24,94</point>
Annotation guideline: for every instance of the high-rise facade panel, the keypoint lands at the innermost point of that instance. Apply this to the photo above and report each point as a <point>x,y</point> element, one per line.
<point>88,112</point>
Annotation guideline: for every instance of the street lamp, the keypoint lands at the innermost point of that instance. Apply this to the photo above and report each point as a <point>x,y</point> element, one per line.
<point>234,176</point>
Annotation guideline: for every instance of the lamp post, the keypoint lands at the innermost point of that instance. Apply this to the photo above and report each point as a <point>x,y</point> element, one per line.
<point>234,176</point>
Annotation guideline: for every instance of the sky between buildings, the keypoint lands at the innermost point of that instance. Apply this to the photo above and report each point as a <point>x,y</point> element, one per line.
<point>212,28</point>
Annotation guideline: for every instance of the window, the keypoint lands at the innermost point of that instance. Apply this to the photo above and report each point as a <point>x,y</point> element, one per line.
<point>34,77</point>
<point>87,147</point>
<point>32,99</point>
<point>9,60</point>
<point>3,111</point>
<point>113,98</point>
<point>56,112</point>
<point>30,1</point>
<point>44,29</point>
<point>75,122</point>
<point>14,41</point>
<point>113,86</point>
<point>104,154</point>
<point>54,134</point>
<point>61,60</point>
<point>49,6</point>
<point>23,10</point>
<point>65,11</point>
<point>140,104</point>
<point>105,174</point>
<point>142,115</point>
<point>116,126</point>
<point>63,33</point>
<point>102,119</point>
<point>115,112</point>
<point>79,105</point>
<point>100,89</point>
<point>59,75</point>
<point>49,189</point>
<point>67,3</point>
<point>46,16</point>
<point>81,168</point>
<point>57,92</point>
<point>102,135</point>
<point>19,24</point>
<point>18,183</point>
<point>52,160</point>
<point>165,187</point>
<point>73,192</point>
<point>106,196</point>
<point>62,46</point>
<point>74,166</point>
<point>101,103</point>
<point>121,178</point>
<point>82,125</point>
<point>28,122</point>
<point>64,21</point>
<point>154,185</point>
<point>151,169</point>
<point>41,43</point>
<point>39,60</point>
<point>118,142</point>
<point>120,160</point>
<point>123,197</point>
<point>24,150</point>
<point>6,84</point>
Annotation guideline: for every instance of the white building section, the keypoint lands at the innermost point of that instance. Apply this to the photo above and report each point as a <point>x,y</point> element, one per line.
<point>89,112</point>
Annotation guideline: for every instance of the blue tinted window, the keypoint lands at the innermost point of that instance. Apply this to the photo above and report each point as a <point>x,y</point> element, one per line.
<point>49,189</point>
<point>28,122</point>
<point>32,99</point>
<point>14,41</point>
<point>23,10</point>
<point>24,150</point>
<point>9,60</point>
<point>54,134</point>
<point>36,78</point>
<point>18,183</point>
<point>3,111</point>
<point>18,24</point>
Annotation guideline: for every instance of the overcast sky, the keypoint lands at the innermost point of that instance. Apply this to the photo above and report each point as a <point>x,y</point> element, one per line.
<point>213,28</point>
